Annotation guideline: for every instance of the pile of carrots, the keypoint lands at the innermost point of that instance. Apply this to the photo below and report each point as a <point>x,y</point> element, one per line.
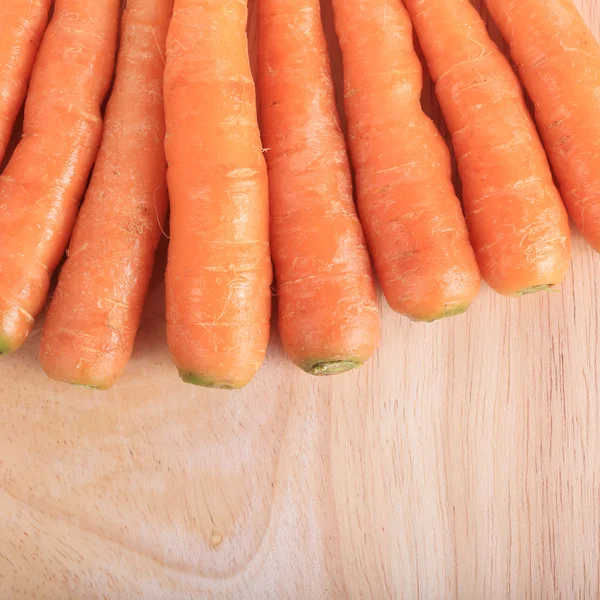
<point>260,181</point>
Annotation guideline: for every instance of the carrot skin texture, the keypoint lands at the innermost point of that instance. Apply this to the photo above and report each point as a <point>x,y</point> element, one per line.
<point>328,315</point>
<point>558,60</point>
<point>22,26</point>
<point>518,225</point>
<point>42,184</point>
<point>89,332</point>
<point>412,218</point>
<point>219,269</point>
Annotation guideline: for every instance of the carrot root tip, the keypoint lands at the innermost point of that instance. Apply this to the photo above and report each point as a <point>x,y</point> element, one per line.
<point>5,346</point>
<point>205,381</point>
<point>96,387</point>
<point>450,311</point>
<point>330,367</point>
<point>534,289</point>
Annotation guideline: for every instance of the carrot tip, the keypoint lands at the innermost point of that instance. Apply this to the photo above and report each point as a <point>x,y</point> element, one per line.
<point>534,289</point>
<point>330,368</point>
<point>96,388</point>
<point>103,386</point>
<point>5,346</point>
<point>451,311</point>
<point>206,381</point>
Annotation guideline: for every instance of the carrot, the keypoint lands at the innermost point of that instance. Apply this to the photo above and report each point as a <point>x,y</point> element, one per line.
<point>90,329</point>
<point>412,218</point>
<point>328,315</point>
<point>219,270</point>
<point>559,63</point>
<point>519,227</point>
<point>43,182</point>
<point>22,25</point>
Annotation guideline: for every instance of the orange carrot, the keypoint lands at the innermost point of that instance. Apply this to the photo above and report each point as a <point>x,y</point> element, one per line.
<point>90,329</point>
<point>219,270</point>
<point>559,62</point>
<point>328,316</point>
<point>42,184</point>
<point>22,25</point>
<point>519,227</point>
<point>413,220</point>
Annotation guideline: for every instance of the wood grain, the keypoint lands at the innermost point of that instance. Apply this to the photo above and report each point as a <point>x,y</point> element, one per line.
<point>462,463</point>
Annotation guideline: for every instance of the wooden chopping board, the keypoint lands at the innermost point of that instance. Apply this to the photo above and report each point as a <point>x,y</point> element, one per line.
<point>463,462</point>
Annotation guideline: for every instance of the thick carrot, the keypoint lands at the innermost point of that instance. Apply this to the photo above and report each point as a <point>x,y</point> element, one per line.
<point>413,220</point>
<point>559,62</point>
<point>90,329</point>
<point>328,315</point>
<point>519,227</point>
<point>42,184</point>
<point>22,25</point>
<point>219,269</point>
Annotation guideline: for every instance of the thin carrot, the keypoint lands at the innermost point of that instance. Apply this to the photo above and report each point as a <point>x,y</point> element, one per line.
<point>328,315</point>
<point>219,270</point>
<point>413,220</point>
<point>519,227</point>
<point>90,329</point>
<point>42,184</point>
<point>558,60</point>
<point>22,25</point>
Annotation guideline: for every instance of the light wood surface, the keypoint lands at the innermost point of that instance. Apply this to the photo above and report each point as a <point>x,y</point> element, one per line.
<point>463,462</point>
